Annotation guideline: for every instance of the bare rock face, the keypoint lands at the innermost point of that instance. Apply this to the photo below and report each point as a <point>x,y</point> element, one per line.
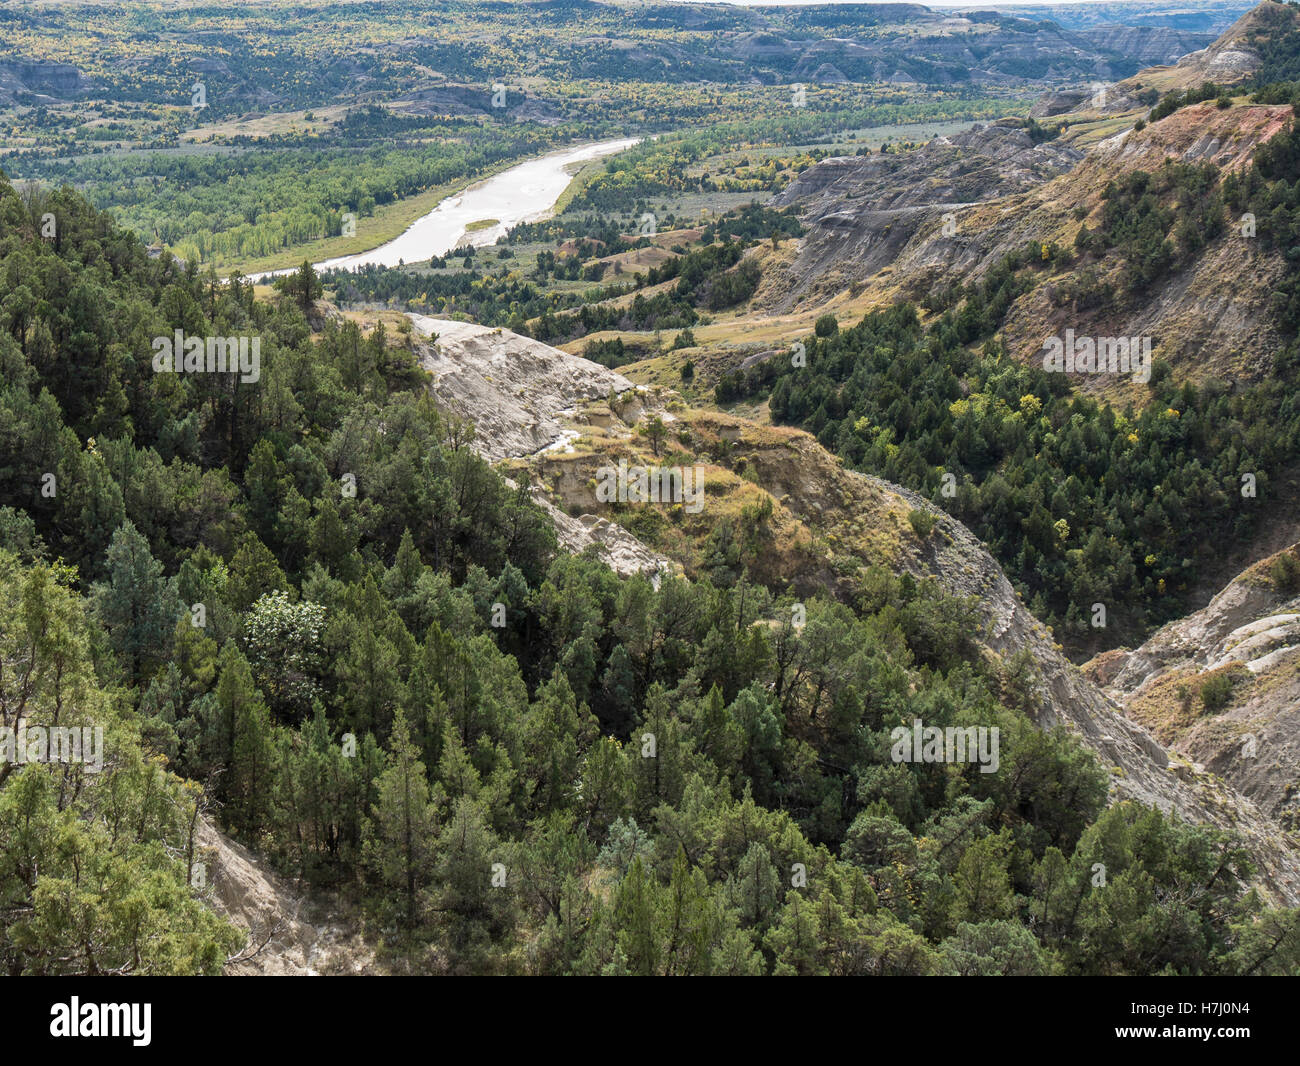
<point>514,389</point>
<point>41,82</point>
<point>1199,133</point>
<point>520,393</point>
<point>1209,636</point>
<point>977,164</point>
<point>472,100</point>
<point>1059,103</point>
<point>1232,56</point>
<point>1249,637</point>
<point>861,212</point>
<point>1149,45</point>
<point>619,550</point>
<point>281,940</point>
<point>320,312</point>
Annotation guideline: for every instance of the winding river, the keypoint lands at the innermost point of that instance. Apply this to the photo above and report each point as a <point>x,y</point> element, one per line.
<point>524,193</point>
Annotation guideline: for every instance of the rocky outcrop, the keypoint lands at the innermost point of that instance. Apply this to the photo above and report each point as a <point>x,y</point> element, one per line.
<point>1149,45</point>
<point>1211,319</point>
<point>476,100</point>
<point>983,162</point>
<point>1201,133</point>
<point>1233,56</point>
<point>516,391</point>
<point>881,228</point>
<point>31,82</point>
<point>861,212</point>
<point>1248,638</point>
<point>1059,103</point>
<point>523,398</point>
<point>1228,629</point>
<point>617,548</point>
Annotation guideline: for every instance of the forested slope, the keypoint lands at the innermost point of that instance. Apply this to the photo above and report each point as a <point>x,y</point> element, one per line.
<point>283,591</point>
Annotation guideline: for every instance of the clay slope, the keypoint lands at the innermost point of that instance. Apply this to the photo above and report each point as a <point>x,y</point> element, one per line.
<point>522,397</point>
<point>1209,318</point>
<point>514,389</point>
<point>282,939</point>
<point>1245,642</point>
<point>864,213</point>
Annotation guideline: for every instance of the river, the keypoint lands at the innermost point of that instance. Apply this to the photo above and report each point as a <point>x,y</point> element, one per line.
<point>524,193</point>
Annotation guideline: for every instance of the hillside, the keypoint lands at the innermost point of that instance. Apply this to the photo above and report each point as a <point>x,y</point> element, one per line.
<point>829,527</point>
<point>870,219</point>
<point>1220,686</point>
<point>951,211</point>
<point>691,581</point>
<point>655,42</point>
<point>1233,57</point>
<point>1206,329</point>
<point>363,705</point>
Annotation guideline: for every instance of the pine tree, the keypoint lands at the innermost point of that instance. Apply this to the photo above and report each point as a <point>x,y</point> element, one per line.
<point>137,605</point>
<point>400,835</point>
<point>251,744</point>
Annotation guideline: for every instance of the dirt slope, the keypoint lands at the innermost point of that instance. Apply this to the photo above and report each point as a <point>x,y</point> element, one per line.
<point>287,934</point>
<point>1247,640</point>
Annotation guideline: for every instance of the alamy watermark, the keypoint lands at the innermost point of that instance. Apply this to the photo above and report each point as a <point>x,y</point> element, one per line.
<point>78,1019</point>
<point>46,744</point>
<point>180,354</point>
<point>952,744</point>
<point>1100,355</point>
<point>650,484</point>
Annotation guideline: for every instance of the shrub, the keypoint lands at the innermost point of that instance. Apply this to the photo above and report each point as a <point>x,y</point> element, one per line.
<point>1216,691</point>
<point>922,523</point>
<point>1285,573</point>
